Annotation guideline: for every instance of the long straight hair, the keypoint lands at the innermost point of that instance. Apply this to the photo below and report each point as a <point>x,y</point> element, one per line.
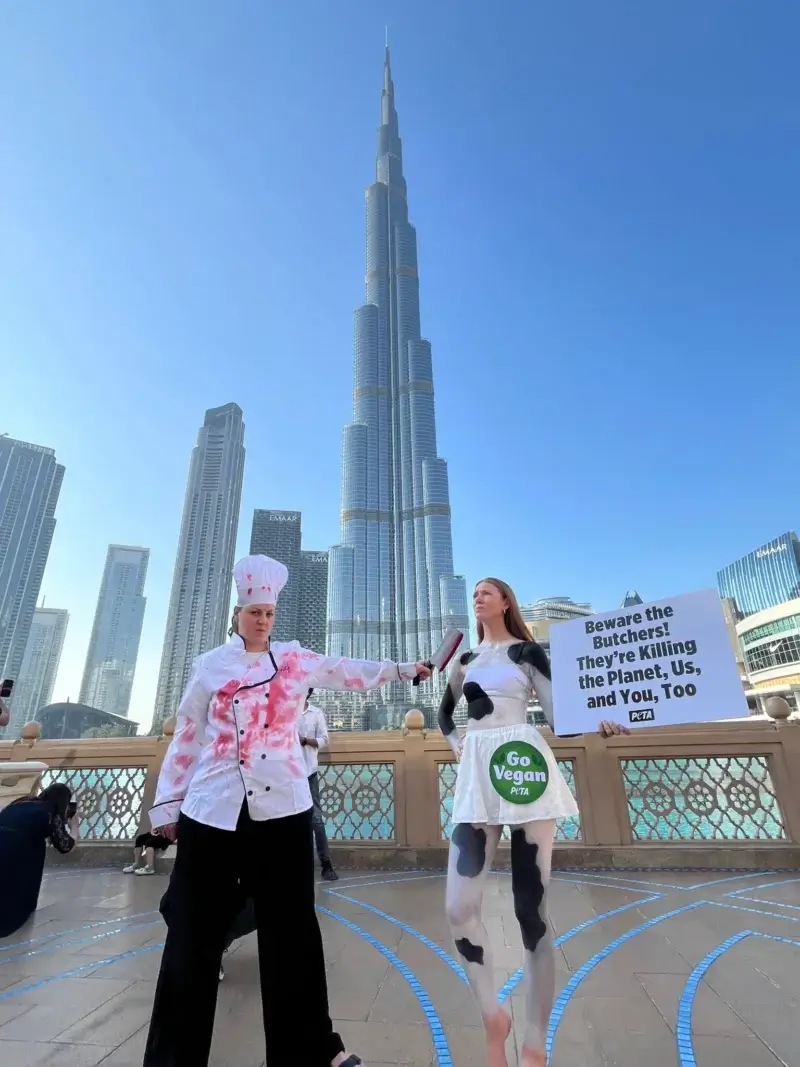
<point>514,622</point>
<point>56,798</point>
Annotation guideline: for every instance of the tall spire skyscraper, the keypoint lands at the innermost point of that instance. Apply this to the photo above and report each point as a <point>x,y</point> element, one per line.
<point>391,587</point>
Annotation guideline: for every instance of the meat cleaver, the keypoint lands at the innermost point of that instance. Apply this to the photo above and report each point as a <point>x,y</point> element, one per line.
<point>445,652</point>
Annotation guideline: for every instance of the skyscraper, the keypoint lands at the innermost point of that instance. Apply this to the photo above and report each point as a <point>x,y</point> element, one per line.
<point>391,586</point>
<point>278,534</point>
<point>114,644</point>
<point>764,578</point>
<point>302,608</point>
<point>199,605</point>
<point>30,481</point>
<point>312,601</point>
<point>37,676</point>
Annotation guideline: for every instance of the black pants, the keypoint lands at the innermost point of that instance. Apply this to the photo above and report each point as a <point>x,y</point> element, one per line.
<point>275,862</point>
<point>318,822</point>
<point>243,924</point>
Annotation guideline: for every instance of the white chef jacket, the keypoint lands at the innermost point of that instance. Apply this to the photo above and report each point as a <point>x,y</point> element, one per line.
<point>312,724</point>
<point>236,736</point>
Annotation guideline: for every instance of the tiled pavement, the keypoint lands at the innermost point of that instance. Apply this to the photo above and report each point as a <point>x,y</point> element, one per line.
<point>653,970</point>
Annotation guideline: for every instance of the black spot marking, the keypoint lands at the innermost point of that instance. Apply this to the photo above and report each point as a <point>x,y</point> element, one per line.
<point>446,709</point>
<point>532,654</point>
<point>471,953</point>
<point>467,658</point>
<point>479,705</point>
<point>528,890</point>
<point>471,844</point>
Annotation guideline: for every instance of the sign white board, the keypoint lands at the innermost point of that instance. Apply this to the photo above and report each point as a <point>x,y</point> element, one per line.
<point>658,664</point>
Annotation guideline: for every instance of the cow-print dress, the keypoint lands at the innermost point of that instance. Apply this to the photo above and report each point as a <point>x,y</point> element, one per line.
<point>497,680</point>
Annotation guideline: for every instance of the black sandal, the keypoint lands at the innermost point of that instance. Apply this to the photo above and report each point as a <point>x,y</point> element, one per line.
<point>351,1061</point>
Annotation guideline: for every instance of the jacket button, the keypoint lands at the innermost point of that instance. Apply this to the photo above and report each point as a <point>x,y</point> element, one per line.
<point>249,792</point>
<point>242,762</point>
<point>236,701</point>
<point>267,788</point>
<point>241,733</point>
<point>263,755</point>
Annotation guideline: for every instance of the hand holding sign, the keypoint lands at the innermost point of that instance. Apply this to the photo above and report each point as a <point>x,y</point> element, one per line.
<point>611,729</point>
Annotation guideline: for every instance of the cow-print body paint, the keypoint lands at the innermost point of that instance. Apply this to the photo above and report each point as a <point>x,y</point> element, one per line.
<point>446,708</point>
<point>527,889</point>
<point>472,851</point>
<point>531,854</point>
<point>479,704</point>
<point>531,653</point>
<point>471,953</point>
<point>470,843</point>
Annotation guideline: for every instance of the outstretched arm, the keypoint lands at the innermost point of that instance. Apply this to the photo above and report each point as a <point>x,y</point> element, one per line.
<point>452,695</point>
<point>60,837</point>
<point>184,749</point>
<point>338,672</point>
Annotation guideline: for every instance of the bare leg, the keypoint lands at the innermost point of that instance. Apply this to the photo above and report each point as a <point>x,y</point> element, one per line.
<point>138,854</point>
<point>472,850</point>
<point>531,857</point>
<point>150,857</point>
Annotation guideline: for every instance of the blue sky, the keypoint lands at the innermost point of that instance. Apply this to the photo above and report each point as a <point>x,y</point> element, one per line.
<point>606,203</point>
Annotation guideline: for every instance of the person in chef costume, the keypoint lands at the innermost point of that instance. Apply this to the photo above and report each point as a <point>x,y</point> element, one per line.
<point>234,785</point>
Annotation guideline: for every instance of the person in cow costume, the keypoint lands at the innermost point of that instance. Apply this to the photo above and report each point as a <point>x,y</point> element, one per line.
<point>233,792</point>
<point>507,776</point>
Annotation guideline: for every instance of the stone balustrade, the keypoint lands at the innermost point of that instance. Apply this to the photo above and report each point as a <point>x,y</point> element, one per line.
<point>712,795</point>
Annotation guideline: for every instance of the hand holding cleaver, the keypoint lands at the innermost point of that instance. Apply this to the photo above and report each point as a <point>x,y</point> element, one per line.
<point>445,652</point>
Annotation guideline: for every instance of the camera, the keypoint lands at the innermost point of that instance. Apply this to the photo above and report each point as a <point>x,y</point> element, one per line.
<point>6,687</point>
<point>72,810</point>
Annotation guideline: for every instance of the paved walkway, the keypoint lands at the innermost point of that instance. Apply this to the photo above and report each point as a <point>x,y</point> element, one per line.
<point>661,970</point>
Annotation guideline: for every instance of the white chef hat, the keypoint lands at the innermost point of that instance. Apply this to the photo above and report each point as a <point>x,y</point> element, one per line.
<point>259,580</point>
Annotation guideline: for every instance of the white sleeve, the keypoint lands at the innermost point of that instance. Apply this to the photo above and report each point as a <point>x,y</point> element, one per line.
<point>322,730</point>
<point>184,749</point>
<point>340,673</point>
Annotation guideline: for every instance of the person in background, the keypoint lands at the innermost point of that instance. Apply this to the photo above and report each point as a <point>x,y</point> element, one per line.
<point>26,825</point>
<point>313,732</point>
<point>144,853</point>
<point>5,692</point>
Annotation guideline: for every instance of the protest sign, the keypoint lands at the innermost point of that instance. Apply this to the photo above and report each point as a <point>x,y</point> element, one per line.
<point>656,664</point>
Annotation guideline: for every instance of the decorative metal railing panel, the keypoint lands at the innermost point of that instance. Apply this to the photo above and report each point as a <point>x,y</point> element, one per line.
<point>109,799</point>
<point>708,798</point>
<point>566,829</point>
<point>358,801</point>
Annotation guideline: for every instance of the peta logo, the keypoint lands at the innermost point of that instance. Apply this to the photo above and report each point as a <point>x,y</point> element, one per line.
<point>642,715</point>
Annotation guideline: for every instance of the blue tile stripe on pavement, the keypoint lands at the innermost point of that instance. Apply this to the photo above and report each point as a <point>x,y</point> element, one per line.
<point>124,929</point>
<point>440,1045</point>
<point>516,977</point>
<point>683,1030</point>
<point>564,997</point>
<point>78,971</point>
